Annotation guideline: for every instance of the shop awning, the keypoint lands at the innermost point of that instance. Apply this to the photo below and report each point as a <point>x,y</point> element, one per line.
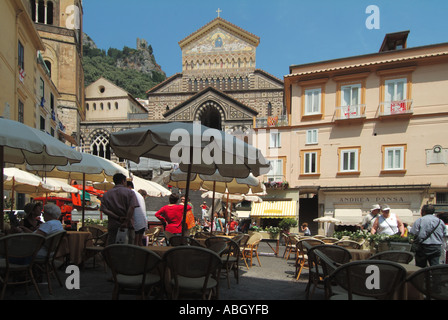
<point>274,209</point>
<point>405,215</point>
<point>349,216</point>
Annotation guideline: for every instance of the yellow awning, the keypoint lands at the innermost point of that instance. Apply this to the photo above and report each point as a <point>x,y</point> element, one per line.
<point>274,209</point>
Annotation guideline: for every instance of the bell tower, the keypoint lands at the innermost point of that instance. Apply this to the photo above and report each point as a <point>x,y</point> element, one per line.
<point>59,23</point>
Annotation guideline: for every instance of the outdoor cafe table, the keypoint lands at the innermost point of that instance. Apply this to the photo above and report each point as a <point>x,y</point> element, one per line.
<point>407,290</point>
<point>76,245</point>
<point>359,254</point>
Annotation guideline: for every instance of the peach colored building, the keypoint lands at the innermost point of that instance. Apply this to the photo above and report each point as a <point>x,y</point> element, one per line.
<point>364,130</point>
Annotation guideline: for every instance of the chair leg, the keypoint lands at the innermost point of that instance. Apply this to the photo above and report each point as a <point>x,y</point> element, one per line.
<point>301,264</point>
<point>34,283</point>
<point>256,254</point>
<point>5,283</point>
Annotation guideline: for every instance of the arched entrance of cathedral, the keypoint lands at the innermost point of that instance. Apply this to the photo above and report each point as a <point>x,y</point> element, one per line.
<point>211,115</point>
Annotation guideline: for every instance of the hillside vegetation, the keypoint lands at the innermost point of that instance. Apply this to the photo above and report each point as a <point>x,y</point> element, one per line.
<point>134,70</point>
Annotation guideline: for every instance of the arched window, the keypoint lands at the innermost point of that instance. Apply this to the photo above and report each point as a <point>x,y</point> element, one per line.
<point>41,12</point>
<point>100,146</point>
<point>48,64</point>
<point>49,12</point>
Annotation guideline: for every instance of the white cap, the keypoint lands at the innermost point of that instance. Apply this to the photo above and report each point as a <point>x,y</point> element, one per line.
<point>375,207</point>
<point>385,207</point>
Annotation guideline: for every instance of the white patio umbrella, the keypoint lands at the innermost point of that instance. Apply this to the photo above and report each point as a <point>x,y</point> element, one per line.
<point>20,143</point>
<point>21,181</point>
<point>216,183</point>
<point>196,148</point>
<point>327,220</point>
<point>91,168</point>
<point>152,188</point>
<point>60,185</point>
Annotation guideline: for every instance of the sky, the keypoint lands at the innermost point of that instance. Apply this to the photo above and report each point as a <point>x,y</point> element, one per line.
<point>291,32</point>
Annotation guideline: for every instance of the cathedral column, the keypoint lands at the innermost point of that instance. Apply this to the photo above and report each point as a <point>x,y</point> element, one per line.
<point>45,11</point>
<point>36,15</point>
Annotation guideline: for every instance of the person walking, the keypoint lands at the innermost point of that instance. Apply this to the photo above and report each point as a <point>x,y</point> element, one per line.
<point>429,232</point>
<point>119,204</point>
<point>369,219</point>
<point>388,223</point>
<point>140,222</point>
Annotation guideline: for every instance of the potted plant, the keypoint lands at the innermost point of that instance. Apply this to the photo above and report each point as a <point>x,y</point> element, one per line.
<point>287,224</point>
<point>273,232</point>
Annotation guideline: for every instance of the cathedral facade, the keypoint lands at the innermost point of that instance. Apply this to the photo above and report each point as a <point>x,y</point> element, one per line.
<point>219,86</point>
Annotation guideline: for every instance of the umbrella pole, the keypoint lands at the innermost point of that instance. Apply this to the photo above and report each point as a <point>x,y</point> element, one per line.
<point>2,205</point>
<point>83,197</point>
<point>212,218</point>
<point>187,192</point>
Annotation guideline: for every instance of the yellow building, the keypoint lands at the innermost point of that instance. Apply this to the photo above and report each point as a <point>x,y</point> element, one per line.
<point>363,130</point>
<point>18,64</point>
<point>59,24</point>
<point>27,93</point>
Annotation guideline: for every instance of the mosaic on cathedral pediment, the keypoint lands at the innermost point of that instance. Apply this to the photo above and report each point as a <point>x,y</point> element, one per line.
<point>218,41</point>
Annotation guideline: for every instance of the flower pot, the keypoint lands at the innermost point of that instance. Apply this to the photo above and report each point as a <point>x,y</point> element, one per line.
<point>400,246</point>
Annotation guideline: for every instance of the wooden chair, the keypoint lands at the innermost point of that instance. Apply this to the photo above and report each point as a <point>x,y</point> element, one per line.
<point>251,248</point>
<point>19,252</point>
<point>355,280</point>
<point>141,275</point>
<point>395,256</point>
<point>302,247</point>
<point>432,282</point>
<point>48,263</point>
<point>193,269</point>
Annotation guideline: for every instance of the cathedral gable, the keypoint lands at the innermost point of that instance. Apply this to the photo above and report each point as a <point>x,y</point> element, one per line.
<point>192,109</point>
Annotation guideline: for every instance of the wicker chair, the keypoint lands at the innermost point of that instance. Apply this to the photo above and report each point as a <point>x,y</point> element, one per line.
<point>140,275</point>
<point>183,241</point>
<point>48,263</point>
<point>348,244</point>
<point>432,282</point>
<point>193,269</point>
<point>96,243</point>
<point>230,254</point>
<point>21,248</point>
<point>330,240</point>
<point>355,280</point>
<point>251,248</point>
<point>303,245</point>
<point>290,245</point>
<point>338,255</point>
<point>152,235</point>
<point>395,256</point>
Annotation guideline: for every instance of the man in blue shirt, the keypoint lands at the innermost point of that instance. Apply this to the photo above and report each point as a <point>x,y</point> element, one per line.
<point>429,232</point>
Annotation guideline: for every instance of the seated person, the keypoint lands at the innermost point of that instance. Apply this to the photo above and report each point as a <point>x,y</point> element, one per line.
<point>51,225</point>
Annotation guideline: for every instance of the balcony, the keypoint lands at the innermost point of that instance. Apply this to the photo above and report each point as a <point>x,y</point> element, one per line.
<point>394,109</point>
<point>350,113</point>
<point>271,122</point>
<point>275,182</point>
